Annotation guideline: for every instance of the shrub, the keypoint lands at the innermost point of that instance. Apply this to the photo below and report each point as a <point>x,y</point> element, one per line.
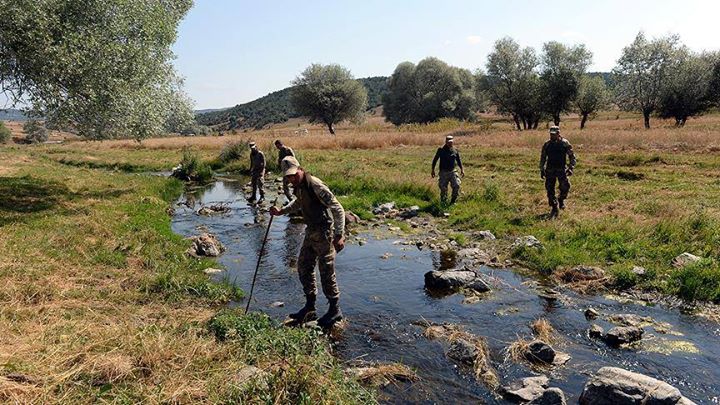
<point>5,134</point>
<point>234,151</point>
<point>35,132</point>
<point>698,281</point>
<point>191,168</point>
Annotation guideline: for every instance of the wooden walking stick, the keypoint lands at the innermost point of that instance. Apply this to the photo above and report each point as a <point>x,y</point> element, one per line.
<point>257,266</point>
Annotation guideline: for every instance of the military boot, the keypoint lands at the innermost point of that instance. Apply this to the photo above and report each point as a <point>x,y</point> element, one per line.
<point>333,314</point>
<point>554,212</point>
<point>561,204</point>
<point>307,313</point>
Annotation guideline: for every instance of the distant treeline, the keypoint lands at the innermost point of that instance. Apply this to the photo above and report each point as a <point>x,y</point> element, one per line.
<point>12,115</point>
<point>276,108</point>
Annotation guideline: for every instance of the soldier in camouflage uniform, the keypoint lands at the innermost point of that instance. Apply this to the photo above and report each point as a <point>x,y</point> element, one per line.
<point>257,172</point>
<point>448,156</point>
<point>324,219</point>
<point>283,152</point>
<point>554,168</point>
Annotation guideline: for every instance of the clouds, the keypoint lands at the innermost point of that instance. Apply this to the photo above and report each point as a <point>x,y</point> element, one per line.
<point>473,39</point>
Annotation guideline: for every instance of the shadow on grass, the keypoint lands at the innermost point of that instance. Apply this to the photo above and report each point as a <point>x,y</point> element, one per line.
<point>27,195</point>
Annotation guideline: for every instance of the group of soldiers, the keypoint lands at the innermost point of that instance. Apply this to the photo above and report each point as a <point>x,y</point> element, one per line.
<point>324,216</point>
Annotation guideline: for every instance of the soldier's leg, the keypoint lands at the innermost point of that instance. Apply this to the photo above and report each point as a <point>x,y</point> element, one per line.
<point>326,265</point>
<point>253,182</point>
<point>443,181</point>
<point>306,272</point>
<point>261,185</point>
<point>550,187</point>
<point>564,188</point>
<point>455,184</point>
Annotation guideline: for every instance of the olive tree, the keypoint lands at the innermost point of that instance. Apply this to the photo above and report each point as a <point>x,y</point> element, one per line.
<point>592,96</point>
<point>328,94</point>
<point>401,101</point>
<point>100,67</point>
<point>686,91</point>
<point>560,71</point>
<point>642,72</point>
<point>513,84</point>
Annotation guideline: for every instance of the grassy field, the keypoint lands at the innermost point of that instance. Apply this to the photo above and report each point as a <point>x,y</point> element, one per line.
<point>99,301</point>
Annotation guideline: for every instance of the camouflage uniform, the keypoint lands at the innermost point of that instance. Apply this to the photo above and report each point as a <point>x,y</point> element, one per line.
<point>257,173</point>
<point>448,157</point>
<point>284,152</point>
<point>553,164</point>
<point>324,218</point>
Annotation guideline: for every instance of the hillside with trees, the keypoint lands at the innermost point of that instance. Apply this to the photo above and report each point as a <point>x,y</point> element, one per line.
<point>276,108</point>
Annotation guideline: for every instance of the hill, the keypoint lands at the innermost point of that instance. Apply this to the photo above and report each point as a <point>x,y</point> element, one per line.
<point>12,114</point>
<point>275,108</point>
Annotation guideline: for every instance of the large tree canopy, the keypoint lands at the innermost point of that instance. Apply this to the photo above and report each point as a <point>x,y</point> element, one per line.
<point>561,69</point>
<point>428,92</point>
<point>102,67</point>
<point>328,94</point>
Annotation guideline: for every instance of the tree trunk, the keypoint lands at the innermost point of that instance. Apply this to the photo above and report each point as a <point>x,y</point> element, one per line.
<point>583,121</point>
<point>536,123</point>
<point>556,119</point>
<point>517,121</point>
<point>646,116</point>
<point>525,123</point>
<point>331,128</point>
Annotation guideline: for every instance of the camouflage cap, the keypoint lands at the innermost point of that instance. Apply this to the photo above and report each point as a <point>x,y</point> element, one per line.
<point>289,166</point>
<point>252,144</point>
<point>554,129</point>
<point>449,138</point>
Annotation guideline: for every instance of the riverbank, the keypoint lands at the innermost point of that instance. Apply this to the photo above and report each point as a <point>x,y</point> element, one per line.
<point>99,302</point>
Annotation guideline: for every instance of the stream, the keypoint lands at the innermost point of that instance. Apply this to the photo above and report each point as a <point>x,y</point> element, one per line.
<point>384,298</point>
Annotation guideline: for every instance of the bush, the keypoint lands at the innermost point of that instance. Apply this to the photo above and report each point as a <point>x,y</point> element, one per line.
<point>191,168</point>
<point>5,134</point>
<point>35,132</point>
<point>234,151</point>
<point>698,281</point>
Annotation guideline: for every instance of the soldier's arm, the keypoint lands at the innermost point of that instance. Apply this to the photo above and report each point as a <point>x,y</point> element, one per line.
<point>290,151</point>
<point>292,207</point>
<point>458,160</point>
<point>252,159</point>
<point>262,161</point>
<point>571,155</point>
<point>435,159</point>
<point>543,157</point>
<point>328,199</point>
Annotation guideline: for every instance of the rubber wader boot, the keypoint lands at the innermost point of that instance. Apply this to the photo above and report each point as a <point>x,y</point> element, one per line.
<point>307,313</point>
<point>333,314</point>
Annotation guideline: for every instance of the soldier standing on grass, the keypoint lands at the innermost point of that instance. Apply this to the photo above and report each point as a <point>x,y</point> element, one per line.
<point>257,172</point>
<point>553,167</point>
<point>448,156</point>
<point>324,219</point>
<point>283,152</point>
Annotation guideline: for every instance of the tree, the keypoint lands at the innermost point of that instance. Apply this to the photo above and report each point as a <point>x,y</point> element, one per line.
<point>328,94</point>
<point>513,84</point>
<point>592,96</point>
<point>35,132</point>
<point>560,71</point>
<point>686,91</point>
<point>5,134</point>
<point>101,67</point>
<point>401,100</point>
<point>642,71</point>
<point>428,92</point>
<point>714,86</point>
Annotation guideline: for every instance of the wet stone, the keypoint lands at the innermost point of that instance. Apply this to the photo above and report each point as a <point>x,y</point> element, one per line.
<point>455,279</point>
<point>595,331</point>
<point>583,273</point>
<point>462,351</point>
<point>623,335</point>
<point>539,351</point>
<point>526,389</point>
<point>616,386</point>
<point>551,396</point>
<point>591,313</point>
<point>629,320</point>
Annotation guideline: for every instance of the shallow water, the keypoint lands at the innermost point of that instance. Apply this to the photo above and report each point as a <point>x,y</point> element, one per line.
<point>382,300</point>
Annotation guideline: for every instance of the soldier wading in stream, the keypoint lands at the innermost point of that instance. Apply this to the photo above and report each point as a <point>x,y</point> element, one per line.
<point>257,172</point>
<point>324,219</point>
<point>448,156</point>
<point>283,152</point>
<point>554,168</point>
